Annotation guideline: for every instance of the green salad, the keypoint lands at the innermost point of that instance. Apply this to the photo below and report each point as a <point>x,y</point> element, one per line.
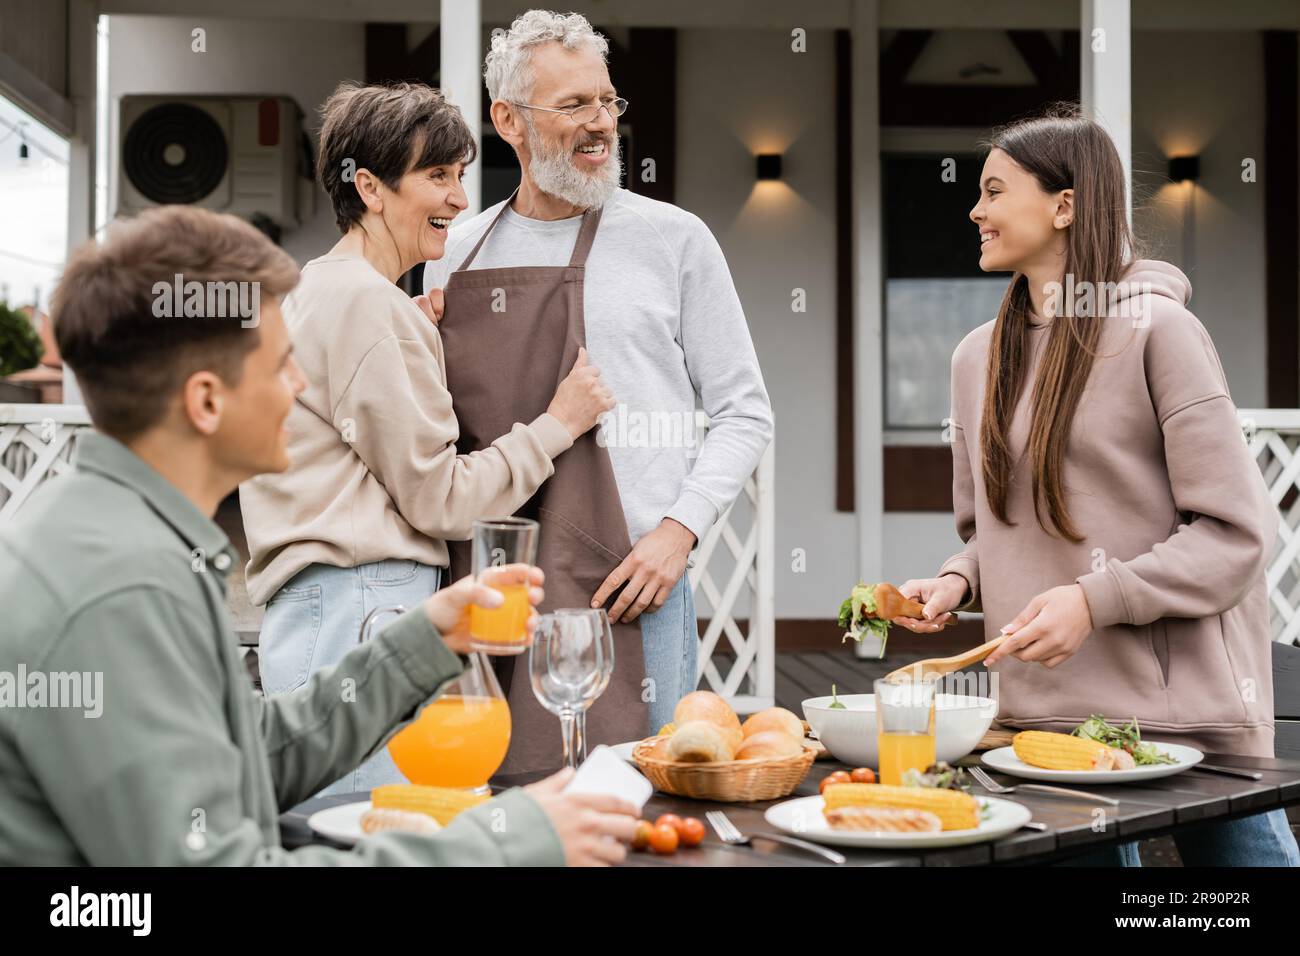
<point>853,616</point>
<point>1128,738</point>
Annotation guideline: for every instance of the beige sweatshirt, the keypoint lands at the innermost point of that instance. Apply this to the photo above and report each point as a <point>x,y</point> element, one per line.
<point>1177,525</point>
<point>372,439</point>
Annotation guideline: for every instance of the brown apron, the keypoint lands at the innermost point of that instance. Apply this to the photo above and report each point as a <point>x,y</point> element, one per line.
<point>503,366</point>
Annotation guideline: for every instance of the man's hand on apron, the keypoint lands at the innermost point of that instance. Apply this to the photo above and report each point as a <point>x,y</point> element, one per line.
<point>431,305</point>
<point>652,569</point>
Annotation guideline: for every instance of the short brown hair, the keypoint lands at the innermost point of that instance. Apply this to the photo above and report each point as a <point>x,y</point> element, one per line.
<point>130,361</point>
<point>389,129</point>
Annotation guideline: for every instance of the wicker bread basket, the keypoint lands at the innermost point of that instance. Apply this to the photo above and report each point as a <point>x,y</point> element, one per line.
<point>729,781</point>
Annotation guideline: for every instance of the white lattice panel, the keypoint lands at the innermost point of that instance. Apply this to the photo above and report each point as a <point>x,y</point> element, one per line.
<point>735,561</point>
<point>36,443</point>
<point>1273,437</point>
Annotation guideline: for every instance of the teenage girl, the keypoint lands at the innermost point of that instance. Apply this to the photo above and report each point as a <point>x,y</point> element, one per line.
<point>1115,524</point>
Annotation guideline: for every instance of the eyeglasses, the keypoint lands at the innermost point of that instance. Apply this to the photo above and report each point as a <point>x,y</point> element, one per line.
<point>583,113</point>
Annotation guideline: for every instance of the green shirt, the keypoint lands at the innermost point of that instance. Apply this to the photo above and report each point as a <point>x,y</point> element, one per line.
<point>129,731</point>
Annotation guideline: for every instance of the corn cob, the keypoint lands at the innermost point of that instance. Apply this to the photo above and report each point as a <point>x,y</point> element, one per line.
<point>441,803</point>
<point>957,810</point>
<point>1060,751</point>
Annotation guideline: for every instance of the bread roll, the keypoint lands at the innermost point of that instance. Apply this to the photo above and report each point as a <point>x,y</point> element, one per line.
<point>706,705</point>
<point>769,743</point>
<point>774,718</point>
<point>699,741</point>
<point>390,820</point>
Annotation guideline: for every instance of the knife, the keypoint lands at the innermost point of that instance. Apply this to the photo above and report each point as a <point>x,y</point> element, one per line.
<point>1230,771</point>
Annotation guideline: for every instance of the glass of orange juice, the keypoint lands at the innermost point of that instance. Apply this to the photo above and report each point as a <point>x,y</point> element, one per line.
<point>904,728</point>
<point>497,542</point>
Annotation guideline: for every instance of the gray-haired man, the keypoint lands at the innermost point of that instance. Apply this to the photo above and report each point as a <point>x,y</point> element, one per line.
<point>661,316</point>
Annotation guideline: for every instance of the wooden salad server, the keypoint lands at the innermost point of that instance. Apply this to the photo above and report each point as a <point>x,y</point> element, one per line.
<point>938,666</point>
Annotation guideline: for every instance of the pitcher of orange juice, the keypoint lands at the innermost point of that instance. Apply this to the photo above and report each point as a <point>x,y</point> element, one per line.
<point>460,738</point>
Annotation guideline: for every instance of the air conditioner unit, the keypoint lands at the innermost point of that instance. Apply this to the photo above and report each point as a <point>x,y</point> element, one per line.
<point>236,154</point>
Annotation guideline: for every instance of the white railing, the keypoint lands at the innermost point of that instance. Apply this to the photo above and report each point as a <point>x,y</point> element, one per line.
<point>36,443</point>
<point>1273,437</point>
<point>743,566</point>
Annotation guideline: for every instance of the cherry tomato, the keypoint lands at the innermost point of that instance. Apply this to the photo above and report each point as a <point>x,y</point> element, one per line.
<point>839,776</point>
<point>670,820</point>
<point>692,832</point>
<point>863,775</point>
<point>663,839</point>
<point>641,839</point>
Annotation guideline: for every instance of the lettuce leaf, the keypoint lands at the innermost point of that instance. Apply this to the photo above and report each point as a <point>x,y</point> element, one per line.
<point>854,612</point>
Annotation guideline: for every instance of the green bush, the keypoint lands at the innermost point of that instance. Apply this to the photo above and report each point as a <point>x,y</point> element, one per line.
<point>20,346</point>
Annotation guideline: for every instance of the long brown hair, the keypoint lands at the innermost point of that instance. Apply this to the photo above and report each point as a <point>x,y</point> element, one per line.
<point>1063,150</point>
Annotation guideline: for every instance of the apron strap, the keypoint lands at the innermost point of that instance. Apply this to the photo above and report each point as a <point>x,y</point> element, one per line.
<point>581,247</point>
<point>586,236</point>
<point>487,232</point>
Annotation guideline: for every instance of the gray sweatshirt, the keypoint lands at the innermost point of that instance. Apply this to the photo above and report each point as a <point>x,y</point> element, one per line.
<point>1177,526</point>
<point>664,325</point>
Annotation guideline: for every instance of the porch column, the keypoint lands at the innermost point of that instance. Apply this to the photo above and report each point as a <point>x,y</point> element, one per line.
<point>1105,61</point>
<point>83,68</point>
<point>461,78</point>
<point>868,402</point>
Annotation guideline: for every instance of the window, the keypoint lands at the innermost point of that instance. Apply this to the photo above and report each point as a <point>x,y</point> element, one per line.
<point>935,292</point>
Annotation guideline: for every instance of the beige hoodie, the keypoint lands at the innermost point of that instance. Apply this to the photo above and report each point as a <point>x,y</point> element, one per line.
<point>1177,525</point>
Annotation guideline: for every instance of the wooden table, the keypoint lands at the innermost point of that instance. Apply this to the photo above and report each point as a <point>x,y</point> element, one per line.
<point>1152,809</point>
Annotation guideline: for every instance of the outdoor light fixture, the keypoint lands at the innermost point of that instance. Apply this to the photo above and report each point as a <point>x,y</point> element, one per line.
<point>1184,168</point>
<point>769,165</point>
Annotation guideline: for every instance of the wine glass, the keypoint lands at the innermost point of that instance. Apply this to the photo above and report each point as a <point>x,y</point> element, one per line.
<point>460,738</point>
<point>605,635</point>
<point>569,665</point>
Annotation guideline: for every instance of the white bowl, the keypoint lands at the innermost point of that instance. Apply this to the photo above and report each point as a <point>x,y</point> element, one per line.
<point>850,734</point>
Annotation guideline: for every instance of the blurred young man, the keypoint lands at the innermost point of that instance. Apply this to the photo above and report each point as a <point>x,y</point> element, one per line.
<point>113,583</point>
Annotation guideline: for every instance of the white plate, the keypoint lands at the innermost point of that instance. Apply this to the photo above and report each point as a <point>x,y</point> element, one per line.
<point>803,817</point>
<point>625,750</point>
<point>341,823</point>
<point>1005,759</point>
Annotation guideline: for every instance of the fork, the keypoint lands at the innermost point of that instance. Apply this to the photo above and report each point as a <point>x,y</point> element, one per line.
<point>992,786</point>
<point>728,833</point>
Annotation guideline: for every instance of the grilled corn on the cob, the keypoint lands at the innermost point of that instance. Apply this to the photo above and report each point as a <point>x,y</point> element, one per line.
<point>1039,748</point>
<point>956,810</point>
<point>441,803</point>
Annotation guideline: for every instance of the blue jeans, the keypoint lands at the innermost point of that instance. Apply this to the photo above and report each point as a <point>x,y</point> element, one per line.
<point>671,641</point>
<point>316,618</point>
<point>1264,839</point>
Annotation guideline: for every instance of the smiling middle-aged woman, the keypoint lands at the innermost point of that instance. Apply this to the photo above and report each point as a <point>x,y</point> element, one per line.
<point>359,519</point>
<point>1116,526</point>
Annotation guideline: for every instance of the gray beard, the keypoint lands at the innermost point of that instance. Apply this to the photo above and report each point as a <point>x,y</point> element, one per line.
<point>555,173</point>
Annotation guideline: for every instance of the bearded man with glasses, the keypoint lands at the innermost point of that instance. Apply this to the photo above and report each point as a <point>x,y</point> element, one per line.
<point>572,259</point>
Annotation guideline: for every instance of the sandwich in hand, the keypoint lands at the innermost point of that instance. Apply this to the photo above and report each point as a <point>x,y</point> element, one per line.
<point>871,608</point>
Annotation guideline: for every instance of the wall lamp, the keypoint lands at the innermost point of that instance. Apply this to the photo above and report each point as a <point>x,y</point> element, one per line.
<point>769,165</point>
<point>1184,168</point>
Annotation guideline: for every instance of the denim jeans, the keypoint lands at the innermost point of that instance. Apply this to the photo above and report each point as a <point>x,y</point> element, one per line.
<point>316,618</point>
<point>1264,839</point>
<point>670,639</point>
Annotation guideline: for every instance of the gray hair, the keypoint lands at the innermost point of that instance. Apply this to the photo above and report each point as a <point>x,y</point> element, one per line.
<point>508,68</point>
